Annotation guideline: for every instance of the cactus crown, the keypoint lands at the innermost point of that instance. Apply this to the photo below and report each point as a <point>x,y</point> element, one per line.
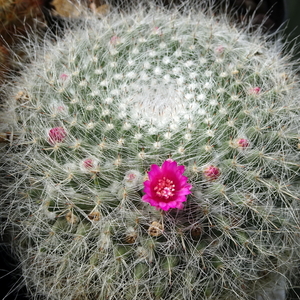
<point>128,113</point>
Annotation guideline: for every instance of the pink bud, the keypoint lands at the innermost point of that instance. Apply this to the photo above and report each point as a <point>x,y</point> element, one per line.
<point>63,76</point>
<point>88,163</point>
<point>115,40</point>
<point>211,172</point>
<point>60,108</point>
<point>157,30</point>
<point>254,91</point>
<point>131,177</point>
<point>243,143</point>
<point>56,135</point>
<point>219,49</point>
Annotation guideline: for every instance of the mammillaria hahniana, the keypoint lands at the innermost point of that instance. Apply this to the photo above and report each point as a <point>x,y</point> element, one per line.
<point>157,158</point>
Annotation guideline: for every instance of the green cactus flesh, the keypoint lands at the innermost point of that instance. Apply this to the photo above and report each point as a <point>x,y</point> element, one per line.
<point>121,93</point>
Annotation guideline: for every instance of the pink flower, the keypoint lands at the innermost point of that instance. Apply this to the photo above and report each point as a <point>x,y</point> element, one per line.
<point>56,135</point>
<point>211,172</point>
<point>167,187</point>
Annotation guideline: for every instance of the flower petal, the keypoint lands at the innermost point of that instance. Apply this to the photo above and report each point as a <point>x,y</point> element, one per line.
<point>154,172</point>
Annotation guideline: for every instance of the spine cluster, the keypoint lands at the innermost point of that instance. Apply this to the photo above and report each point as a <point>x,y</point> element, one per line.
<point>157,158</point>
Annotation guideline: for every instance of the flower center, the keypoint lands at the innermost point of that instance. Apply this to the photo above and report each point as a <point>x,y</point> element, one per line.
<point>165,188</point>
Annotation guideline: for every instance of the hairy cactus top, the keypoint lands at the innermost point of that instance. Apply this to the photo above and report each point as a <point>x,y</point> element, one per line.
<point>157,158</point>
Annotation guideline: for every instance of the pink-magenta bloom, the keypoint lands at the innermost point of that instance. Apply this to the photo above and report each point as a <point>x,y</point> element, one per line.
<point>211,172</point>
<point>56,135</point>
<point>167,187</point>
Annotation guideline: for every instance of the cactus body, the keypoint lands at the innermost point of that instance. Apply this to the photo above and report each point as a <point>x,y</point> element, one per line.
<point>121,95</point>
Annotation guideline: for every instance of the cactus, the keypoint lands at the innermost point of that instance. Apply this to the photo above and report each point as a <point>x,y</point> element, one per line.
<point>157,157</point>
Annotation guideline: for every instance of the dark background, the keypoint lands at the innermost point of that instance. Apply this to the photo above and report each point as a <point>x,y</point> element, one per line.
<point>10,273</point>
<point>293,22</point>
<point>293,10</point>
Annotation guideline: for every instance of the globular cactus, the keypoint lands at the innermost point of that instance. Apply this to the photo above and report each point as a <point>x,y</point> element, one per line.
<point>157,158</point>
